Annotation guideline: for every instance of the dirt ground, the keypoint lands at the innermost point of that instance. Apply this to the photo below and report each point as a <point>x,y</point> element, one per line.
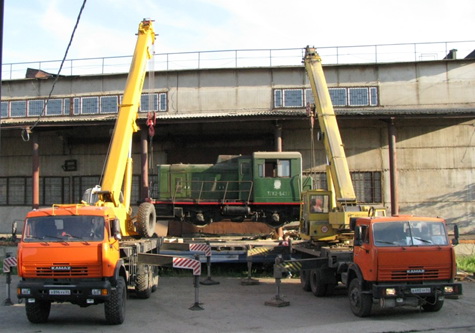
<point>232,307</point>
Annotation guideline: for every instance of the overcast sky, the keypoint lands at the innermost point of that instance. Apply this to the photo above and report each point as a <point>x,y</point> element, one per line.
<point>40,29</point>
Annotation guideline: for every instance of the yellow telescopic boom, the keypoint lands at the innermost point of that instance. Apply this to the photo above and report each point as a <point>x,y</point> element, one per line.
<point>119,155</point>
<point>344,191</point>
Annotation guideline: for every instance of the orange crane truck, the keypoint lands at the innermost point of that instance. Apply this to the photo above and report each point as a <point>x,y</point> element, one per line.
<point>87,253</point>
<point>386,260</point>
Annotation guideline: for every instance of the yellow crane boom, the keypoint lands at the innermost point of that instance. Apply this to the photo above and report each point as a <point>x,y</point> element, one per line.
<point>340,173</point>
<point>117,174</point>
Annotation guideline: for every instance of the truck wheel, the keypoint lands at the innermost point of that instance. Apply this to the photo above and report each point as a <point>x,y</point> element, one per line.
<point>305,279</point>
<point>115,307</point>
<point>360,303</point>
<point>38,312</point>
<point>433,304</point>
<point>146,219</point>
<point>318,287</point>
<point>143,286</point>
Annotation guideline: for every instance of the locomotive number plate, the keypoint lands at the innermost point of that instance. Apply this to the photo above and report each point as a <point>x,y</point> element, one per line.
<point>60,292</point>
<point>420,290</point>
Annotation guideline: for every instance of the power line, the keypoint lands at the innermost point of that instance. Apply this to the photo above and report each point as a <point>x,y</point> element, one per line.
<point>25,134</point>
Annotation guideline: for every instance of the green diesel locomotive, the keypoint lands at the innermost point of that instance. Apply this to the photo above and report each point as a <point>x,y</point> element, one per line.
<point>264,187</point>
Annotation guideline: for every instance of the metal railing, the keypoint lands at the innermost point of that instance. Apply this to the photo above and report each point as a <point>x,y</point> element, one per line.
<point>382,53</point>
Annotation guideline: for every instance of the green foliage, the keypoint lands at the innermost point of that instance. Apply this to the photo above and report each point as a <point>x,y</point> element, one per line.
<point>466,263</point>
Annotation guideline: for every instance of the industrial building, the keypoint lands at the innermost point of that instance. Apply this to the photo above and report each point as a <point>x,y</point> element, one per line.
<point>407,126</point>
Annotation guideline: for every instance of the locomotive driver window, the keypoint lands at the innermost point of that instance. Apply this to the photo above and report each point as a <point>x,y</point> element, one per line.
<point>277,168</point>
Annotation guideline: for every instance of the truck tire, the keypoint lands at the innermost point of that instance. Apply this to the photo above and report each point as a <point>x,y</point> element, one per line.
<point>433,304</point>
<point>305,279</point>
<point>144,281</point>
<point>360,303</point>
<point>114,307</point>
<point>38,312</point>
<point>318,287</point>
<point>146,220</point>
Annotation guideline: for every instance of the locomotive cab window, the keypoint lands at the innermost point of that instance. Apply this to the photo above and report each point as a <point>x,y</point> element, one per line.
<point>275,168</point>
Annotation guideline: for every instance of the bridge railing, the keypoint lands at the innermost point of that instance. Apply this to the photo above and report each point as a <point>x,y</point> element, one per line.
<point>383,53</point>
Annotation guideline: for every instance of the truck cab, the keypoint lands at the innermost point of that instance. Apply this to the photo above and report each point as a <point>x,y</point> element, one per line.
<point>401,260</point>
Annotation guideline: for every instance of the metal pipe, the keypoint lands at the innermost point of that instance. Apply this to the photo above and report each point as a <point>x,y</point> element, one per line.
<point>393,167</point>
<point>36,172</point>
<point>144,185</point>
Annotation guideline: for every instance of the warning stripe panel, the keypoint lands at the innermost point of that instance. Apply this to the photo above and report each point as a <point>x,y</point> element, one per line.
<point>9,262</point>
<point>187,263</point>
<point>200,247</point>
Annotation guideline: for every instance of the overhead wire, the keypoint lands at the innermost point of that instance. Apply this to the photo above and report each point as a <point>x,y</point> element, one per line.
<point>25,134</point>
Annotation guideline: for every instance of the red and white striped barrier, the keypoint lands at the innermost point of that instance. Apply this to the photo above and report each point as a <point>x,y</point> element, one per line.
<point>200,247</point>
<point>187,263</point>
<point>9,262</point>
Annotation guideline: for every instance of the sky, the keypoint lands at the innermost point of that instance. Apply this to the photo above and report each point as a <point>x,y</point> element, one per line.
<point>37,30</point>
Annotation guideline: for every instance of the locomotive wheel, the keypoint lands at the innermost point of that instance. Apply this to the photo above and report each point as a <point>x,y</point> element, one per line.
<point>146,220</point>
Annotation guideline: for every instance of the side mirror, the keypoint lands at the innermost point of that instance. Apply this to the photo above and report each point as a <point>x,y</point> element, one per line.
<point>358,241</point>
<point>455,241</point>
<point>116,229</point>
<point>14,229</point>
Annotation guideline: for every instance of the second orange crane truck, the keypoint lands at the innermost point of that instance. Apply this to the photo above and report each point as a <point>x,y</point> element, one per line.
<point>87,253</point>
<point>386,260</point>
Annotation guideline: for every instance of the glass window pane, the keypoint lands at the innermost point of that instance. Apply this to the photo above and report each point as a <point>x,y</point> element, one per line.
<point>109,104</point>
<point>4,109</point>
<point>149,102</point>
<point>18,108</point>
<point>77,106</point>
<point>35,107</point>
<point>3,191</point>
<point>163,102</point>
<point>309,97</point>
<point>338,96</point>
<point>358,96</point>
<point>16,191</point>
<point>54,107</point>
<point>90,105</point>
<point>283,168</point>
<point>374,96</point>
<point>277,98</point>
<point>67,106</point>
<point>293,97</point>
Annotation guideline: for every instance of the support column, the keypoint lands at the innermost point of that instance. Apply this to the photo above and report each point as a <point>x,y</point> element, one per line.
<point>393,168</point>
<point>144,185</point>
<point>35,172</point>
<point>278,147</point>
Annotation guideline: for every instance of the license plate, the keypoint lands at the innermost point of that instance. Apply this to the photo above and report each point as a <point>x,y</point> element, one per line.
<point>60,292</point>
<point>420,290</point>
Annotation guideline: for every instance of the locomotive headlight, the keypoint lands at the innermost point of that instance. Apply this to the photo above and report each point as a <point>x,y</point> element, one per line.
<point>390,291</point>
<point>448,289</point>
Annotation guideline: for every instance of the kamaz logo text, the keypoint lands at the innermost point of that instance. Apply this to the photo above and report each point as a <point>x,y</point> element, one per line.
<point>60,268</point>
<point>415,271</point>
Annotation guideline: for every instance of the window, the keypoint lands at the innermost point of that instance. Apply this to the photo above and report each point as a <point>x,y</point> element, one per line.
<point>340,97</point>
<point>35,107</point>
<point>18,108</point>
<point>55,107</point>
<point>90,105</point>
<point>163,102</point>
<point>367,185</point>
<point>4,113</point>
<point>319,203</point>
<point>109,104</point>
<point>358,96</point>
<point>274,168</point>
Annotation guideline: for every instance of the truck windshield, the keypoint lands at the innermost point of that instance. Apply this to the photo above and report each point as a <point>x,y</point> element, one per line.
<point>64,228</point>
<point>409,233</point>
